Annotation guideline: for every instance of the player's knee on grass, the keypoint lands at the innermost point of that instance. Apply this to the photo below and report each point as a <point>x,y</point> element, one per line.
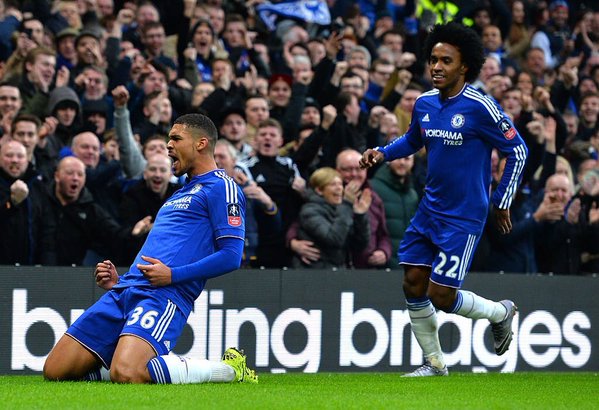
<point>128,373</point>
<point>55,370</point>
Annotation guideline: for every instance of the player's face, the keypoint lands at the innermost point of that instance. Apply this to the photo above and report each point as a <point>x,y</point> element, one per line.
<point>446,69</point>
<point>332,192</point>
<point>182,150</point>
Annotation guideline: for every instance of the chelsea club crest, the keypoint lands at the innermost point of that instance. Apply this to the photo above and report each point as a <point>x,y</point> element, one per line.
<point>457,121</point>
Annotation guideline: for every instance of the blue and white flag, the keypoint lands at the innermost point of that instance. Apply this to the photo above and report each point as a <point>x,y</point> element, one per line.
<point>310,11</point>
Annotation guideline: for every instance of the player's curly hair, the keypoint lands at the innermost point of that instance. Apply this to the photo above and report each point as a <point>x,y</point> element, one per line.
<point>465,40</point>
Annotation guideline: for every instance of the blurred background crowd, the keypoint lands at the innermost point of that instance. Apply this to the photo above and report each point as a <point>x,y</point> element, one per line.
<point>298,90</point>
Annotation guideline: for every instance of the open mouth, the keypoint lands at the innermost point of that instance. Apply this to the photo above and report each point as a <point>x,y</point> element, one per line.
<point>156,183</point>
<point>73,188</point>
<point>174,160</point>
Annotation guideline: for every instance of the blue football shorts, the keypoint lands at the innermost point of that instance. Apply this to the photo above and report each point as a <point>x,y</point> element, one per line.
<point>146,313</point>
<point>435,242</point>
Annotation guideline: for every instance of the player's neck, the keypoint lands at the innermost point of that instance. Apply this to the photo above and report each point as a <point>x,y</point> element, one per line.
<point>452,91</point>
<point>202,167</point>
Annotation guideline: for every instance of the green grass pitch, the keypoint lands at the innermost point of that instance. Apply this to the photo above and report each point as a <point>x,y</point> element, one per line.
<point>317,391</point>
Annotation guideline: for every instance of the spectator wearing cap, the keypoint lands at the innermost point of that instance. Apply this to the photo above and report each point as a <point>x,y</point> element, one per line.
<point>233,128</point>
<point>89,52</point>
<point>95,116</point>
<point>555,38</point>
<point>64,105</point>
<point>311,113</point>
<point>65,48</point>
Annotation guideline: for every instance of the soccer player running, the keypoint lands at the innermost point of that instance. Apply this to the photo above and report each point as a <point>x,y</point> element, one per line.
<point>198,234</point>
<point>458,126</point>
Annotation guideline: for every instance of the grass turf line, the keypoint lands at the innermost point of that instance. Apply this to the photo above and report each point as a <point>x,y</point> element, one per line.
<point>317,391</point>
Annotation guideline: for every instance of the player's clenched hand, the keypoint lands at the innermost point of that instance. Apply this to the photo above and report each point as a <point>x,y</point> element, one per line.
<point>156,272</point>
<point>106,275</point>
<point>502,220</point>
<point>371,157</point>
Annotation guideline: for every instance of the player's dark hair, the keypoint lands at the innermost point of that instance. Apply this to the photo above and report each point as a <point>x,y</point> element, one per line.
<point>465,40</point>
<point>201,124</point>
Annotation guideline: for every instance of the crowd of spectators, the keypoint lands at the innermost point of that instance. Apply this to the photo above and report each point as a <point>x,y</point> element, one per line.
<point>89,90</point>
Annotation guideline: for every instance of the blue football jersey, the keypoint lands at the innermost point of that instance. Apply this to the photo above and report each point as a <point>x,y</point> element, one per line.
<point>210,206</point>
<point>459,134</point>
